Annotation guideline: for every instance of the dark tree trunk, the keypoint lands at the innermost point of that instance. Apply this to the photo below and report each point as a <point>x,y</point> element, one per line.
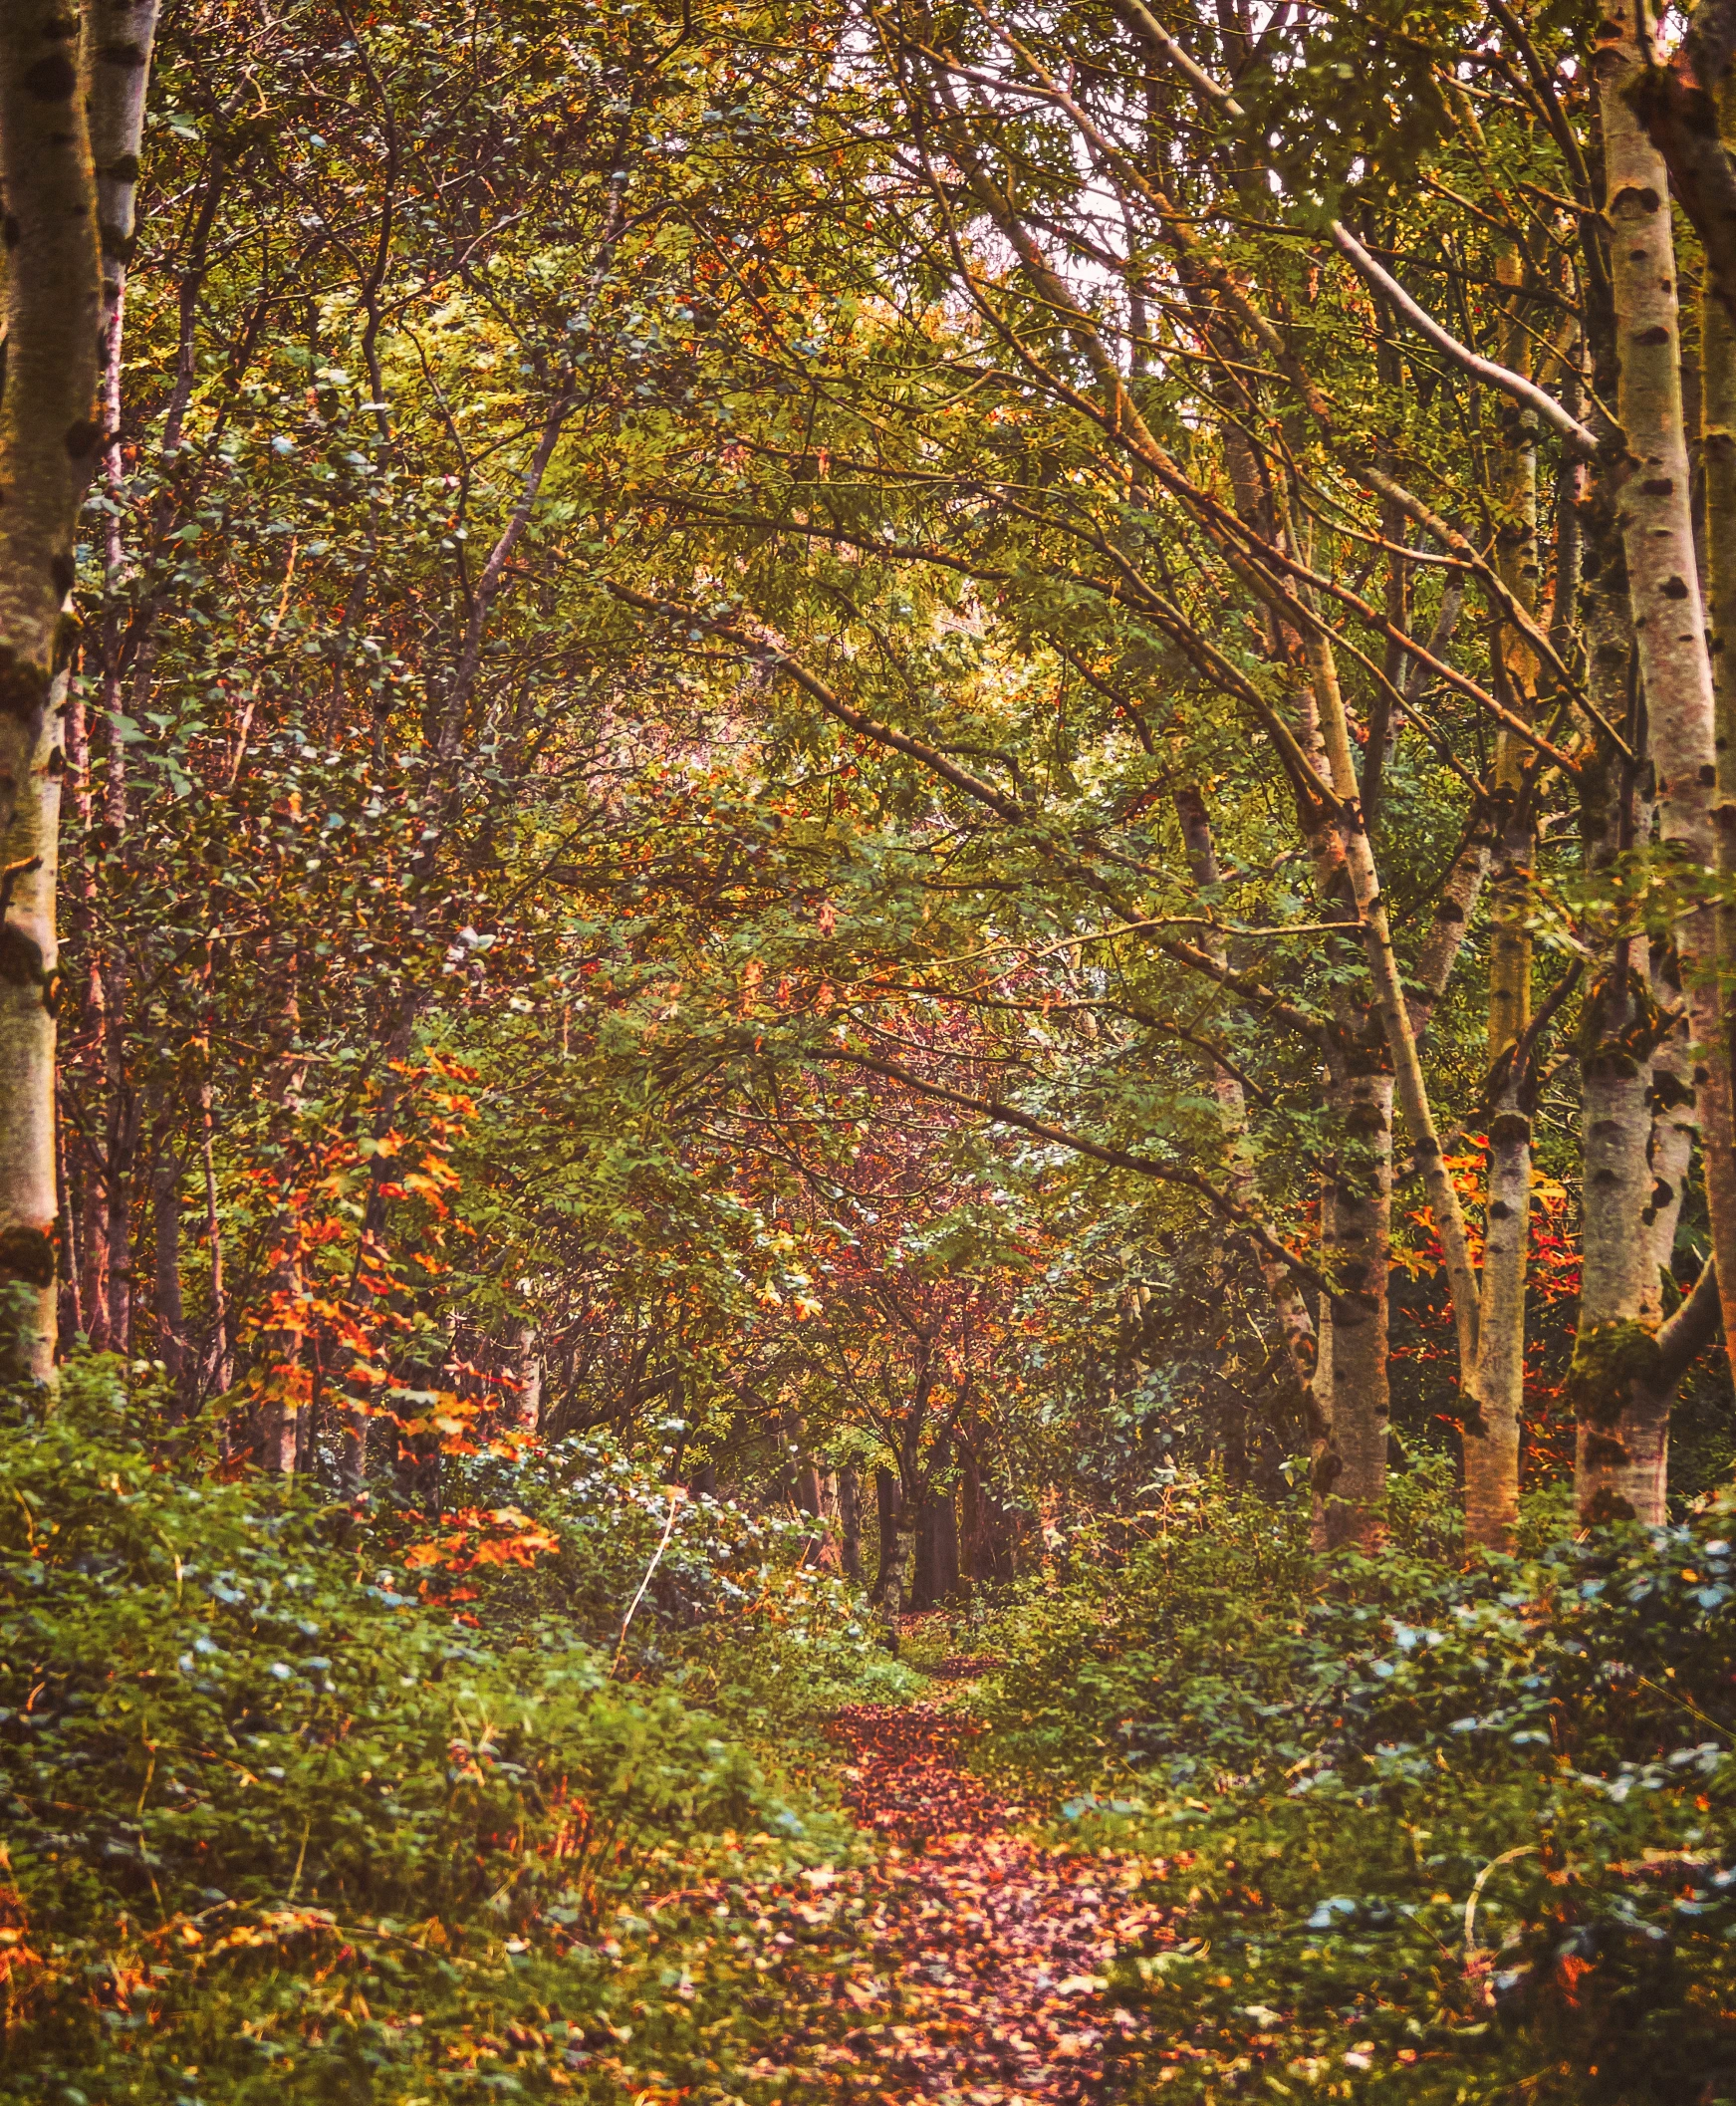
<point>850,1520</point>
<point>924,1592</point>
<point>885,1572</point>
<point>810,1499</point>
<point>171,1325</point>
<point>943,1533</point>
<point>936,1552</point>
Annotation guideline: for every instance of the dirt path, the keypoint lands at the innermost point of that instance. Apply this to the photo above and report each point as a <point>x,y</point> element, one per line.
<point>978,1957</point>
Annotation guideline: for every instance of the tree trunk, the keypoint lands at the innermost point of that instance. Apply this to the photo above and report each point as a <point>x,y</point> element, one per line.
<point>899,1598</point>
<point>71,1316</point>
<point>941,1527</point>
<point>1496,1392</point>
<point>1669,619</point>
<point>529,1402</point>
<point>1719,457</point>
<point>48,447</point>
<point>168,1312</point>
<point>1295,1325</point>
<point>117,1314</point>
<point>220,1371</point>
<point>29,997</point>
<point>831,1548</point>
<point>897,1560</point>
<point>810,1498</point>
<point>850,1520</point>
<point>923,1595</point>
<point>1621,1442</point>
<point>69,233</point>
<point>1351,1465</point>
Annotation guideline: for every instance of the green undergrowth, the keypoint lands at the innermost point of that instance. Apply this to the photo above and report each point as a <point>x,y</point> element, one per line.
<point>279,1824</point>
<point>1429,1833</point>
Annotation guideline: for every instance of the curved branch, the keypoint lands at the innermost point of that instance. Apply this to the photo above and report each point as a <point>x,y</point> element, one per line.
<point>1521,389</point>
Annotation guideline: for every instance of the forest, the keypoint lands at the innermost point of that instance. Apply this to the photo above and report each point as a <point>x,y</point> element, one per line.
<point>867,1052</point>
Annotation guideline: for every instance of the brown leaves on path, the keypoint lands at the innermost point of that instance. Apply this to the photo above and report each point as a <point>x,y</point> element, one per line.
<point>980,1955</point>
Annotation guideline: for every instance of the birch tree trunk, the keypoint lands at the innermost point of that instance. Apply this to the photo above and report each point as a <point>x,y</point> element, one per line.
<point>1656,515</point>
<point>1351,1480</point>
<point>47,445</point>
<point>529,1410</point>
<point>71,121</point>
<point>1496,1391</point>
<point>1719,457</point>
<point>1362,1202</point>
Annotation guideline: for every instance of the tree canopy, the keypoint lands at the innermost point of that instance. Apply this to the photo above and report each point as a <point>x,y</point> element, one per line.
<point>914,795</point>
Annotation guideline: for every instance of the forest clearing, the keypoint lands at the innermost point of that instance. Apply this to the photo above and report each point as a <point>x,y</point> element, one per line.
<point>867,1052</point>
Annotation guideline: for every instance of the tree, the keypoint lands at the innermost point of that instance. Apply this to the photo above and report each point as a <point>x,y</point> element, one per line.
<point>72,113</point>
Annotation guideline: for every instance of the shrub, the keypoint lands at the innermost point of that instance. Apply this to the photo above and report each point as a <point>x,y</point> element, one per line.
<point>1432,1833</point>
<point>275,1820</point>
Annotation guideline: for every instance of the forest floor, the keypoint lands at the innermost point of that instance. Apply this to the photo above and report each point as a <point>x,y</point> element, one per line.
<point>971,1956</point>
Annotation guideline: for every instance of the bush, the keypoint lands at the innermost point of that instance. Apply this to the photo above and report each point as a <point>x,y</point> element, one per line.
<point>735,1615</point>
<point>275,1824</point>
<point>1431,1833</point>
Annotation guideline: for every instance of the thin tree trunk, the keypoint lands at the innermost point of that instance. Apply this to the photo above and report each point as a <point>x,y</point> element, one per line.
<point>898,1530</point>
<point>220,1372</point>
<point>530,1378</point>
<point>1350,1474</point>
<point>167,1311</point>
<point>1391,1002</point>
<point>850,1520</point>
<point>121,1137</point>
<point>71,1315</point>
<point>1497,1388</point>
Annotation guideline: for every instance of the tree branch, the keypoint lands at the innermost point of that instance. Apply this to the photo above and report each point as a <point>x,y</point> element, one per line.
<point>1521,389</point>
<point>1690,1330</point>
<point>1241,1218</point>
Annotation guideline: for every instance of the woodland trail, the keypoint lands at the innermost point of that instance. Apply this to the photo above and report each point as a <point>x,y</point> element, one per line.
<point>978,1956</point>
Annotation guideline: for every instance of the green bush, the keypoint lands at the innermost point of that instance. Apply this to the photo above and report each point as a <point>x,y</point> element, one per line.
<point>734,1613</point>
<point>272,1819</point>
<point>1432,1833</point>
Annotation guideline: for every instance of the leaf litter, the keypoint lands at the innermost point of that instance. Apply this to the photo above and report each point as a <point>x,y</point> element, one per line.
<point>980,1957</point>
<point>960,1961</point>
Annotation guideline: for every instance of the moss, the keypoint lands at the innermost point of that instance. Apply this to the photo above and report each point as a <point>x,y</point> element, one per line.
<point>1619,1045</point>
<point>1608,1359</point>
<point>1604,1451</point>
<point>27,1254</point>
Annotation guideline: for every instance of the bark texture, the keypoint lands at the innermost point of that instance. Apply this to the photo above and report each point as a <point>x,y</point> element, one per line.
<point>1492,1424</point>
<point>72,108</point>
<point>1656,515</point>
<point>1718,458</point>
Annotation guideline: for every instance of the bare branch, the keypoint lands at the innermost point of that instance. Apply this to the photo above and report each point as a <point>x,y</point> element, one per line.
<point>1513,383</point>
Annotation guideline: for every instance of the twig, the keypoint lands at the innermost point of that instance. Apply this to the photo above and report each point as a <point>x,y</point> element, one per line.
<point>677,1496</point>
<point>1506,1858</point>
